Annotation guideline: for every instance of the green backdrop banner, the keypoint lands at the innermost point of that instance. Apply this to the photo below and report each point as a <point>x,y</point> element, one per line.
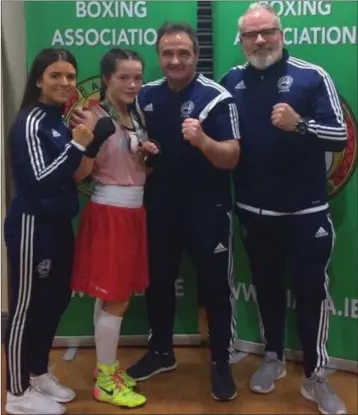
<point>89,29</point>
<point>324,33</point>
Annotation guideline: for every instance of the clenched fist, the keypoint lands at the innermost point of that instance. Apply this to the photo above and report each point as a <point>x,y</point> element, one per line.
<point>149,151</point>
<point>82,115</point>
<point>192,132</point>
<point>284,117</point>
<point>82,135</point>
<point>147,148</point>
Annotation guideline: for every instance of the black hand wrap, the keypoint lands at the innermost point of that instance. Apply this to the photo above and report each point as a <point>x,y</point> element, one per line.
<point>103,129</point>
<point>152,160</point>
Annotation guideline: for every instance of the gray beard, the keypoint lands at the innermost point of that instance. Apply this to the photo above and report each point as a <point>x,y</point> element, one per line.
<point>264,63</point>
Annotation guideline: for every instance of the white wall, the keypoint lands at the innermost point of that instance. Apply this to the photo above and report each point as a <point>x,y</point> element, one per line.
<point>13,61</point>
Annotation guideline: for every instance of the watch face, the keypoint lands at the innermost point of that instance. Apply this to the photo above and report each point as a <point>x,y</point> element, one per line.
<point>302,127</point>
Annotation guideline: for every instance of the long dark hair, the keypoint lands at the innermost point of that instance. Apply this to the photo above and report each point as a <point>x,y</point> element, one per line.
<point>108,66</point>
<point>44,59</point>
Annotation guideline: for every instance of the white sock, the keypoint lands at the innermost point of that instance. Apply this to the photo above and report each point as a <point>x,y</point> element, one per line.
<point>98,306</point>
<point>106,333</point>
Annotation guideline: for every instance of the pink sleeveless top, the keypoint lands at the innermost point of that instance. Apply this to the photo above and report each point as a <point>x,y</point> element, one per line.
<point>117,163</point>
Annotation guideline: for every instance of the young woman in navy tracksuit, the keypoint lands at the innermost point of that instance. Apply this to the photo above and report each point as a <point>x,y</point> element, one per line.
<point>38,232</point>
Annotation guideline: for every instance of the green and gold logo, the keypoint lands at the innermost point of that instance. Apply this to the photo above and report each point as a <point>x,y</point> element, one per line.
<point>340,166</point>
<point>86,94</point>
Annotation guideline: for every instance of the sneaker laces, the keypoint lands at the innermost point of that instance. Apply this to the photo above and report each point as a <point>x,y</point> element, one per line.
<point>148,358</point>
<point>119,384</point>
<point>117,377</point>
<point>49,376</point>
<point>319,381</point>
<point>270,357</point>
<point>270,360</point>
<point>123,374</point>
<point>150,355</point>
<point>114,380</point>
<point>54,378</point>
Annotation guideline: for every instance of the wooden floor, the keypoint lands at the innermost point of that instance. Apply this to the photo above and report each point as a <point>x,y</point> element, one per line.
<point>187,389</point>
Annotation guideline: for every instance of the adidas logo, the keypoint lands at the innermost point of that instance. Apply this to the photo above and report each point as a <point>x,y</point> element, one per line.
<point>55,133</point>
<point>148,107</point>
<point>240,85</point>
<point>219,248</point>
<point>321,232</point>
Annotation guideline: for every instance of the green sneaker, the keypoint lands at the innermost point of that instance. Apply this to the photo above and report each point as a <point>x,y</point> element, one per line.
<point>109,388</point>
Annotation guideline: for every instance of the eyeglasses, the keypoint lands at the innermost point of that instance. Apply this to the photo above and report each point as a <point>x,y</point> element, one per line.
<point>264,33</point>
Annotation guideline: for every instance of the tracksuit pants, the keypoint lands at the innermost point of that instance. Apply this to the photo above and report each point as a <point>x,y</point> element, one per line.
<point>204,231</point>
<point>304,243</point>
<point>40,253</point>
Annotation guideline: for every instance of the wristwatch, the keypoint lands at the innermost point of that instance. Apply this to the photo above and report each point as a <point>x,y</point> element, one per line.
<point>302,126</point>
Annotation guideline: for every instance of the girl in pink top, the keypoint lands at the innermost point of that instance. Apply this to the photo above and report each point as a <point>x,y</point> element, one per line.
<point>111,249</point>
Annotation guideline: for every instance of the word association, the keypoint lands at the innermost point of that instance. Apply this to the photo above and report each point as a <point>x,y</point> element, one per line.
<point>105,37</point>
<point>111,9</point>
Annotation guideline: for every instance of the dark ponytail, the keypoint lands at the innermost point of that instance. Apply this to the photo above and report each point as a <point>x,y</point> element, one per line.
<point>102,91</point>
<point>132,108</point>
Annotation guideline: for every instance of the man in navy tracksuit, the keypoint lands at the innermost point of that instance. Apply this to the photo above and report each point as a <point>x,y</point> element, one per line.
<point>188,201</point>
<point>290,115</point>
